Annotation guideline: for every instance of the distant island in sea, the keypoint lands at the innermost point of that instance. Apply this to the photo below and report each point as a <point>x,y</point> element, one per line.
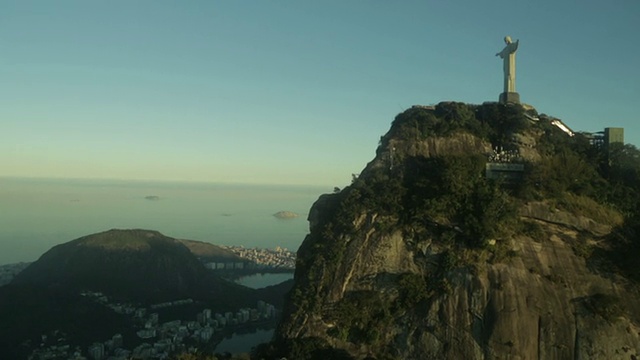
<point>285,215</point>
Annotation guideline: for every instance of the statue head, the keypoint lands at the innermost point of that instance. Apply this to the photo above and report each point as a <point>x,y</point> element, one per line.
<point>507,39</point>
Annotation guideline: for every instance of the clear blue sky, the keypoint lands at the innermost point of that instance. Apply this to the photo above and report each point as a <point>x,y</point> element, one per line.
<point>290,92</point>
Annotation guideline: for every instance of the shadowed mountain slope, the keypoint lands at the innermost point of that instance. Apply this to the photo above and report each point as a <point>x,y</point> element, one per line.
<point>208,252</point>
<point>137,264</point>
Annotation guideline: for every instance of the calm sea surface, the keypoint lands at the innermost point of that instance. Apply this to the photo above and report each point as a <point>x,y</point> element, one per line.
<point>36,214</point>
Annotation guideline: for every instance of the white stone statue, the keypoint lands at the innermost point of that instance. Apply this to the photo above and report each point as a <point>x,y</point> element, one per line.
<point>508,54</point>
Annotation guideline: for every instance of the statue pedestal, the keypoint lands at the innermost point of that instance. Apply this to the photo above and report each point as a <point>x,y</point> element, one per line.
<point>509,97</point>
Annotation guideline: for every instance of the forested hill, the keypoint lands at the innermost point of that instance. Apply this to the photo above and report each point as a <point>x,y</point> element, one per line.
<point>429,254</point>
<point>141,265</point>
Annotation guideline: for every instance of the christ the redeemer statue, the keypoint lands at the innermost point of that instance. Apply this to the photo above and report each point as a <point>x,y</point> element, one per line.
<point>508,54</point>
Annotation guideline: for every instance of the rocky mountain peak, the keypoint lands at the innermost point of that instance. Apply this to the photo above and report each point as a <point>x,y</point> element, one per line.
<point>428,255</point>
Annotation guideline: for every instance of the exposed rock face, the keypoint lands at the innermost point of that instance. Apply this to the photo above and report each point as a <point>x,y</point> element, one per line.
<point>533,306</point>
<point>525,143</point>
<point>540,299</point>
<point>460,143</point>
<point>536,305</point>
<point>542,211</point>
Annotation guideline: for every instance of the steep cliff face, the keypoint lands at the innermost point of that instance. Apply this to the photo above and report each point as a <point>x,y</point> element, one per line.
<point>423,258</point>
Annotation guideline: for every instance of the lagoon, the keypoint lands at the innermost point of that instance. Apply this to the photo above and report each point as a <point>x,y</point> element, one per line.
<point>243,343</point>
<point>262,280</point>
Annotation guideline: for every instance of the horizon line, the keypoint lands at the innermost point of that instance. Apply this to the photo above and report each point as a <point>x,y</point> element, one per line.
<point>166,181</point>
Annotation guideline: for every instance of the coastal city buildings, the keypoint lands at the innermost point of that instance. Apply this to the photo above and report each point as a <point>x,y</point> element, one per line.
<point>157,339</point>
<point>252,259</point>
<point>278,258</point>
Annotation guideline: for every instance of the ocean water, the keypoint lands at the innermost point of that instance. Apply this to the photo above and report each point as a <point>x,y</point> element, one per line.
<point>36,214</point>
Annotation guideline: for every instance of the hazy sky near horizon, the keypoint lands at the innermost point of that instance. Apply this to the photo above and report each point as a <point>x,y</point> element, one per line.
<point>288,92</point>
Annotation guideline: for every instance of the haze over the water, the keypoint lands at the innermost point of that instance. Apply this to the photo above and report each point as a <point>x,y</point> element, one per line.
<point>259,92</point>
<point>38,214</point>
<point>285,91</point>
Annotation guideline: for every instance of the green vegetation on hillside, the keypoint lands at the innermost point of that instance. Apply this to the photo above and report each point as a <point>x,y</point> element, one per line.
<point>570,168</point>
<point>448,201</point>
<point>138,265</point>
<point>493,122</point>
